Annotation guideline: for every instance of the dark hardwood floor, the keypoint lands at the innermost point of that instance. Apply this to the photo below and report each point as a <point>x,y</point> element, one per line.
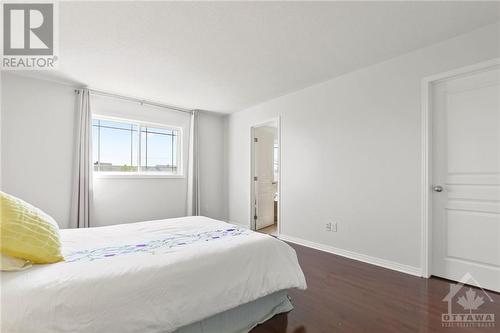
<point>345,295</point>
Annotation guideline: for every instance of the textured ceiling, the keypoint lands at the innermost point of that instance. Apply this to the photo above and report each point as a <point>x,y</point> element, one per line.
<point>227,56</point>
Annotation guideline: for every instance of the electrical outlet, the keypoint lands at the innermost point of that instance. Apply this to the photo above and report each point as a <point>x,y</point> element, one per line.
<point>328,227</point>
<point>334,227</point>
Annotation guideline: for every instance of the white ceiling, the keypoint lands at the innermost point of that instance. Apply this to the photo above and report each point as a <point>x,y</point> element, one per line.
<point>227,56</point>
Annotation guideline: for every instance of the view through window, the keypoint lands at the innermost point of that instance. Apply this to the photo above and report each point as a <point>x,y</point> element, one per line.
<point>133,147</point>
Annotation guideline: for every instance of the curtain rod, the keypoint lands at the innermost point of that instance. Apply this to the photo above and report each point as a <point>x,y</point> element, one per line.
<point>137,100</point>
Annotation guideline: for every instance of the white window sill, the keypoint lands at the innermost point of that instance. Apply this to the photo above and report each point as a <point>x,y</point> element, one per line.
<point>105,175</point>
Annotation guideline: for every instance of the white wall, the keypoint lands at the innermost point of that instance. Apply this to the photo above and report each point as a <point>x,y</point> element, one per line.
<point>37,147</point>
<point>351,153</point>
<point>0,130</point>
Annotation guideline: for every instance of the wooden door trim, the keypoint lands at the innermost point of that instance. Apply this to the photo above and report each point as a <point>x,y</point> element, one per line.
<point>426,160</point>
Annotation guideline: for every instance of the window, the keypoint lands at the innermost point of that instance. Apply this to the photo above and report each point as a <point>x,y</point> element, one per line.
<point>126,147</point>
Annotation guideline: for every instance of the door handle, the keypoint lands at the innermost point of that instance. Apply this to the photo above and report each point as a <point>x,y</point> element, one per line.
<point>437,188</point>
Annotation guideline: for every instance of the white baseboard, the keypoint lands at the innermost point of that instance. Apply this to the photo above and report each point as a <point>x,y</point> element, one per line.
<point>416,271</point>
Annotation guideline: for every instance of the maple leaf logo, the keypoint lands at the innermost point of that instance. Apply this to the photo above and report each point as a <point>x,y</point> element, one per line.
<point>470,301</point>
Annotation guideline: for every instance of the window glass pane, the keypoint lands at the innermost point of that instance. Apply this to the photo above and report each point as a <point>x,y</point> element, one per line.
<point>158,150</point>
<point>115,124</point>
<point>116,146</point>
<point>174,151</point>
<point>156,130</point>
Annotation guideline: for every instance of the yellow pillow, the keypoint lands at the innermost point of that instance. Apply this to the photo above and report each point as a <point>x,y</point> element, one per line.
<point>26,232</point>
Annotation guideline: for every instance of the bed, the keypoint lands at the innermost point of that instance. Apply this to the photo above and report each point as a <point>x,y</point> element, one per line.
<point>184,275</point>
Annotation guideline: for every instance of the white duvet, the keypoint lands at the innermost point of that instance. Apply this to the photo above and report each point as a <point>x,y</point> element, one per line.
<point>146,277</point>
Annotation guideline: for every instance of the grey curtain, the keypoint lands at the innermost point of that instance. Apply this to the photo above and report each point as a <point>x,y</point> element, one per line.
<point>81,203</point>
<point>193,177</point>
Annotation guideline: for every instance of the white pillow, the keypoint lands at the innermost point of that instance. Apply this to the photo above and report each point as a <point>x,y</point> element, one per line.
<point>11,264</point>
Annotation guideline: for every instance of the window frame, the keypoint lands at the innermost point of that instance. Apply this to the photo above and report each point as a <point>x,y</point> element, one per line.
<point>143,174</point>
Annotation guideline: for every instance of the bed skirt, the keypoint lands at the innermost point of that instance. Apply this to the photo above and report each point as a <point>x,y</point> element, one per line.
<point>244,317</point>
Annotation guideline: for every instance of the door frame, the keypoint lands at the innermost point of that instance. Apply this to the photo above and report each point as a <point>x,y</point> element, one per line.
<point>277,120</point>
<point>426,143</point>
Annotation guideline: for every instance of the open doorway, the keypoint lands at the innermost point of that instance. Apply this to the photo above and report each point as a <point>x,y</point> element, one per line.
<point>265,177</point>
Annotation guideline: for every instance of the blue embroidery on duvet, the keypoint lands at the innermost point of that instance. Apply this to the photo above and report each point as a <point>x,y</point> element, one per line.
<point>173,241</point>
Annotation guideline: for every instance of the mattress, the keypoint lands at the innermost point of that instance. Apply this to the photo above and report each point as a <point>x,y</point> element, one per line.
<point>155,276</point>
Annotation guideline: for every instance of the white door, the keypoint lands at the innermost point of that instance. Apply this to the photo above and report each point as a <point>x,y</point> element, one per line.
<point>264,176</point>
<point>466,165</point>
